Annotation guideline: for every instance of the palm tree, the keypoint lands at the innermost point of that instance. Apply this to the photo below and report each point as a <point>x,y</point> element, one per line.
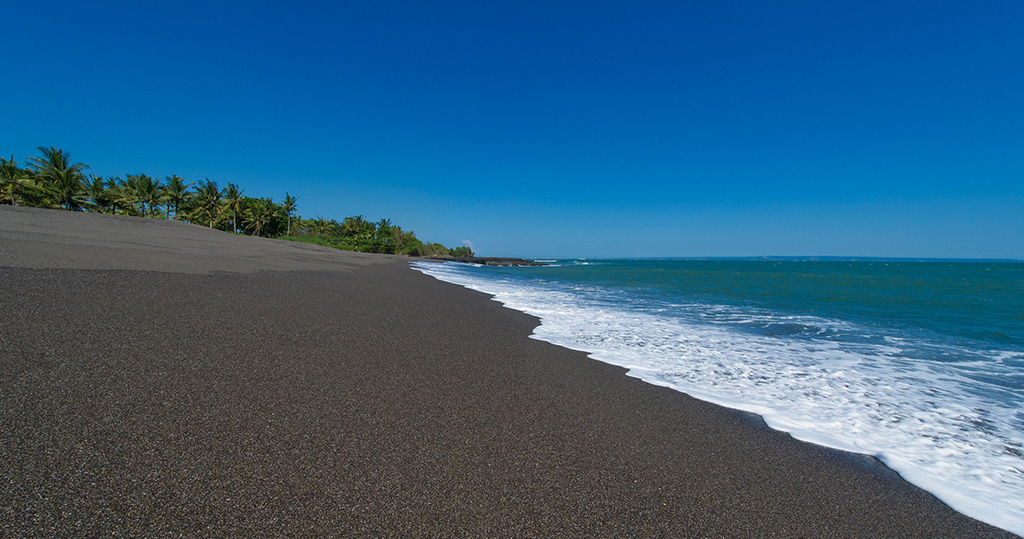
<point>13,179</point>
<point>233,198</point>
<point>121,202</point>
<point>404,241</point>
<point>129,196</point>
<point>62,178</point>
<point>147,192</point>
<point>356,225</point>
<point>321,226</point>
<point>260,213</point>
<point>102,195</point>
<point>386,235</point>
<point>207,199</point>
<point>289,206</point>
<point>176,193</point>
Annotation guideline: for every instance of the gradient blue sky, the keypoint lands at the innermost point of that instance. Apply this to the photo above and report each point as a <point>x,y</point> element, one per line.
<point>717,128</point>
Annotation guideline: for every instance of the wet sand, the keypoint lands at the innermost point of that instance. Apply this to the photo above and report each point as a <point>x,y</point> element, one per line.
<point>162,379</point>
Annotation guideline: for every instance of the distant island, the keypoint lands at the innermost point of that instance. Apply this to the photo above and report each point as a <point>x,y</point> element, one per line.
<point>53,180</point>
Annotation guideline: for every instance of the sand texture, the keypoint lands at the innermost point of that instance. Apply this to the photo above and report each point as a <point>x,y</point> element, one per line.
<point>160,379</point>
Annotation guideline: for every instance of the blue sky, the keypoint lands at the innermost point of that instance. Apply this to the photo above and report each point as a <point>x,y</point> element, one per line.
<point>724,128</point>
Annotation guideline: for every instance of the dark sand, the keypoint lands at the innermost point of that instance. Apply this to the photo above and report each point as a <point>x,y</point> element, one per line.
<point>152,384</point>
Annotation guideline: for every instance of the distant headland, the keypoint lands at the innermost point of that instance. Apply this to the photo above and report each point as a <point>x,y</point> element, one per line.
<point>489,260</point>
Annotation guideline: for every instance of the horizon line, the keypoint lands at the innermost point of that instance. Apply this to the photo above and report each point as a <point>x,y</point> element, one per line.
<point>799,258</point>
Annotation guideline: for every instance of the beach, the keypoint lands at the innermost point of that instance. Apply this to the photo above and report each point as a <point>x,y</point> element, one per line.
<point>164,379</point>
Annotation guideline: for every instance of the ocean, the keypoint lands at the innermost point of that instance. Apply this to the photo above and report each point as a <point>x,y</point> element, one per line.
<point>920,364</point>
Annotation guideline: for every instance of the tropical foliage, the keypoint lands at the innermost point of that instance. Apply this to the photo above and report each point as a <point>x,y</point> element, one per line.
<point>54,180</point>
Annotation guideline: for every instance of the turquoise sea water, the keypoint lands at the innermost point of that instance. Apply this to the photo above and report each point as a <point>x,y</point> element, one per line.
<point>918,363</point>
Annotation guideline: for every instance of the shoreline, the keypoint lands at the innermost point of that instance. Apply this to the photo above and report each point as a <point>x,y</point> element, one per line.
<point>980,483</point>
<point>164,379</point>
<point>976,497</point>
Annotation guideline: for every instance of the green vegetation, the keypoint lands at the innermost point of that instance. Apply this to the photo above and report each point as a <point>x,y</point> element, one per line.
<point>53,180</point>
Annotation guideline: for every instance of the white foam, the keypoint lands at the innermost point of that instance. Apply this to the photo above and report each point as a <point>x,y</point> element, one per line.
<point>863,397</point>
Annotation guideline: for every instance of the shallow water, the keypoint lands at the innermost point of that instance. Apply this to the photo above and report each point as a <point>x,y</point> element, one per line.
<point>920,364</point>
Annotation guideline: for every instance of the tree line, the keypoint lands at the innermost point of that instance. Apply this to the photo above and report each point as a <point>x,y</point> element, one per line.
<point>53,180</point>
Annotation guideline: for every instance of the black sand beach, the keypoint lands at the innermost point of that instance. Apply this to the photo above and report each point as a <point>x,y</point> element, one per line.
<point>162,379</point>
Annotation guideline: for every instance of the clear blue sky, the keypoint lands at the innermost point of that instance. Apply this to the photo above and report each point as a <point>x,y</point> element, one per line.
<point>716,128</point>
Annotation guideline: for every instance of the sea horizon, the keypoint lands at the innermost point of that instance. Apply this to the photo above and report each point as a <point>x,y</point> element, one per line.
<point>787,258</point>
